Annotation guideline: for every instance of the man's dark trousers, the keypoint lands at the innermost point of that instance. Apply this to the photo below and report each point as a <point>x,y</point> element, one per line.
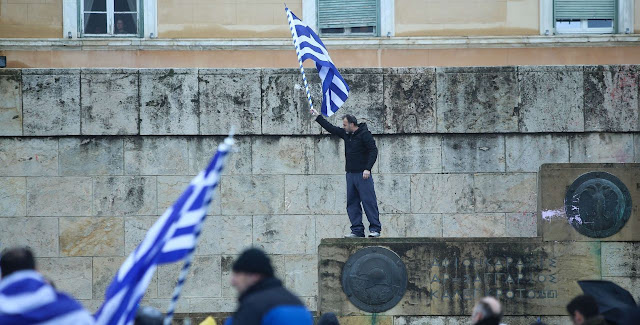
<point>361,190</point>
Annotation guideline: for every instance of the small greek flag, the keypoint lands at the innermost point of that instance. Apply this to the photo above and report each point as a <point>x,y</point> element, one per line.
<point>309,46</point>
<point>26,298</point>
<point>172,238</point>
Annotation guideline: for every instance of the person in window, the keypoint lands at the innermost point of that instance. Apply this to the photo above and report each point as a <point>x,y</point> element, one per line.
<point>120,27</point>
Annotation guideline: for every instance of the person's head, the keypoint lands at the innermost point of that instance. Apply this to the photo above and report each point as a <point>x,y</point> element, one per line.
<point>251,267</point>
<point>328,319</point>
<point>487,311</point>
<point>349,123</point>
<point>582,308</point>
<point>16,259</point>
<point>147,315</point>
<point>120,25</point>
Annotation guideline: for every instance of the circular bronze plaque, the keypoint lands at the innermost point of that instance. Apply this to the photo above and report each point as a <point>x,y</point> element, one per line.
<point>374,279</point>
<point>598,204</point>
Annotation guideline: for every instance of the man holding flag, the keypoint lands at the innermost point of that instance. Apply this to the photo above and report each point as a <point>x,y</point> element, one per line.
<point>360,147</point>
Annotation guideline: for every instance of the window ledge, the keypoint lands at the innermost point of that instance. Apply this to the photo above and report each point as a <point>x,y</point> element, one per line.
<point>342,43</point>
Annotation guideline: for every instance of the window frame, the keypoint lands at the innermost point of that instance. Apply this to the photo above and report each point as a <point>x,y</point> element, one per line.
<point>347,30</point>
<point>623,22</point>
<point>584,29</point>
<point>110,12</point>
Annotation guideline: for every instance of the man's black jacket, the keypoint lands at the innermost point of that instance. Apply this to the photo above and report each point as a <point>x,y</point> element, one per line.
<point>360,148</point>
<point>269,303</point>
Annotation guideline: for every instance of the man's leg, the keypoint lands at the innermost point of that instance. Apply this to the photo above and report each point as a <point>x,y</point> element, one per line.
<point>369,203</point>
<point>354,210</point>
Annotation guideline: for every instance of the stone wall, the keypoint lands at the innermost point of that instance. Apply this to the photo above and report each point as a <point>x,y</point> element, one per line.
<point>90,158</point>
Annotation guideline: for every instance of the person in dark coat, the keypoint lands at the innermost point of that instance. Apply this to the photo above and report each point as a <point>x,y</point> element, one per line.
<point>328,319</point>
<point>262,298</point>
<point>360,152</point>
<point>487,311</point>
<point>583,310</point>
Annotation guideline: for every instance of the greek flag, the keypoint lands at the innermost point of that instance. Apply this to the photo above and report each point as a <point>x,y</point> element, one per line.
<point>170,239</point>
<point>309,46</point>
<point>26,298</point>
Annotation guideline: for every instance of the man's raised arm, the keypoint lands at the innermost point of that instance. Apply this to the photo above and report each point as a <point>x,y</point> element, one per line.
<point>328,126</point>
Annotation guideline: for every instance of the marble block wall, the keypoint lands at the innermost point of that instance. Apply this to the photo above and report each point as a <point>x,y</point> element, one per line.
<point>89,158</point>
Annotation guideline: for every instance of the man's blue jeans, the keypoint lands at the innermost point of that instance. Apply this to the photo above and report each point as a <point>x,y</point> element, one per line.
<point>359,191</point>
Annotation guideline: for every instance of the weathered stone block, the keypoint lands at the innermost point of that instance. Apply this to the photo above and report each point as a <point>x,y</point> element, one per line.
<point>250,195</point>
<point>125,195</point>
<point>365,320</point>
<point>13,196</point>
<point>431,320</point>
<point>90,236</point>
<point>91,156</point>
<point>555,224</point>
<point>441,193</point>
<point>522,224</point>
<point>393,193</point>
<point>636,140</point>
<point>301,274</point>
<point>423,225</point>
<point>477,100</point>
<point>41,234</point>
<point>335,226</point>
<point>621,259</point>
<point>393,225</point>
<point>109,100</point>
<point>70,274</point>
<point>285,108</point>
<point>161,303</point>
<point>230,98</point>
<point>10,104</point>
<point>59,196</point>
<point>169,101</point>
<point>202,149</point>
<point>611,98</point>
<point>529,276</point>
<point>209,305</point>
<point>464,153</point>
<point>552,99</point>
<point>105,268</point>
<point>474,225</point>
<point>156,156</point>
<point>505,192</point>
<point>410,154</point>
<point>309,194</point>
<point>601,148</point>
<point>203,279</point>
<point>409,100</point>
<point>282,155</point>
<point>51,102</point>
<point>225,235</point>
<point>525,153</point>
<point>273,234</point>
<point>135,228</point>
<point>28,157</point>
<point>171,187</point>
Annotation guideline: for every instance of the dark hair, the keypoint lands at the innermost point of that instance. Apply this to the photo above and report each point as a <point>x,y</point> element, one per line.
<point>585,304</point>
<point>350,119</point>
<point>16,259</point>
<point>253,260</point>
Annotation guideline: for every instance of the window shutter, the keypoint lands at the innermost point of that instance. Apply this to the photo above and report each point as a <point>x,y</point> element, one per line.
<point>347,13</point>
<point>584,9</point>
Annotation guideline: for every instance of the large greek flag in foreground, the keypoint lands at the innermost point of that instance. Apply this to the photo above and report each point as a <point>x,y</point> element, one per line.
<point>26,298</point>
<point>170,239</point>
<point>309,46</point>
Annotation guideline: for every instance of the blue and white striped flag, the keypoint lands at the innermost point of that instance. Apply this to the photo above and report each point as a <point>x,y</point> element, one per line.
<point>26,298</point>
<point>309,46</point>
<point>170,239</point>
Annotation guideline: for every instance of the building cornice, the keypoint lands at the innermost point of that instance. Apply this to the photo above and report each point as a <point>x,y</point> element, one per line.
<point>338,43</point>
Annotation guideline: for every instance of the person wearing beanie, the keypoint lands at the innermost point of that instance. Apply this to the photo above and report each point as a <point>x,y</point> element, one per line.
<point>262,298</point>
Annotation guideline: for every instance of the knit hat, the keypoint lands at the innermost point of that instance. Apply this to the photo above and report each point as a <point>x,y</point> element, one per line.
<point>255,261</point>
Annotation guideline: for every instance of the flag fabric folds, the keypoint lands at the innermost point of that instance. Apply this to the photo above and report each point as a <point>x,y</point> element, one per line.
<point>26,298</point>
<point>334,89</point>
<point>170,239</point>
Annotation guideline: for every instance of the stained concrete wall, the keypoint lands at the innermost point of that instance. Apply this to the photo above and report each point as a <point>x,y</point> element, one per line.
<point>89,159</point>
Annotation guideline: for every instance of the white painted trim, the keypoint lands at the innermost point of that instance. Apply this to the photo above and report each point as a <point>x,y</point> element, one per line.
<point>70,19</point>
<point>150,10</point>
<point>310,14</point>
<point>546,17</point>
<point>625,17</point>
<point>387,18</point>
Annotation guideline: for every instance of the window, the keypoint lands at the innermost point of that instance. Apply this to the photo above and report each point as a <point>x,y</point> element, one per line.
<point>119,18</point>
<point>348,18</point>
<point>586,16</point>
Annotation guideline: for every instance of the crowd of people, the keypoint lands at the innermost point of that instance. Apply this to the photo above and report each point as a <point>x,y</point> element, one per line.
<point>262,299</point>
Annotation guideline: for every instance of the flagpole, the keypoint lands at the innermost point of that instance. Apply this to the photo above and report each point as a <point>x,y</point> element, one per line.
<point>189,258</point>
<point>295,44</point>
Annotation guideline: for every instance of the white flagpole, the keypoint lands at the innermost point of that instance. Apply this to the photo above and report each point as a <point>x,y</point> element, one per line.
<point>294,36</point>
